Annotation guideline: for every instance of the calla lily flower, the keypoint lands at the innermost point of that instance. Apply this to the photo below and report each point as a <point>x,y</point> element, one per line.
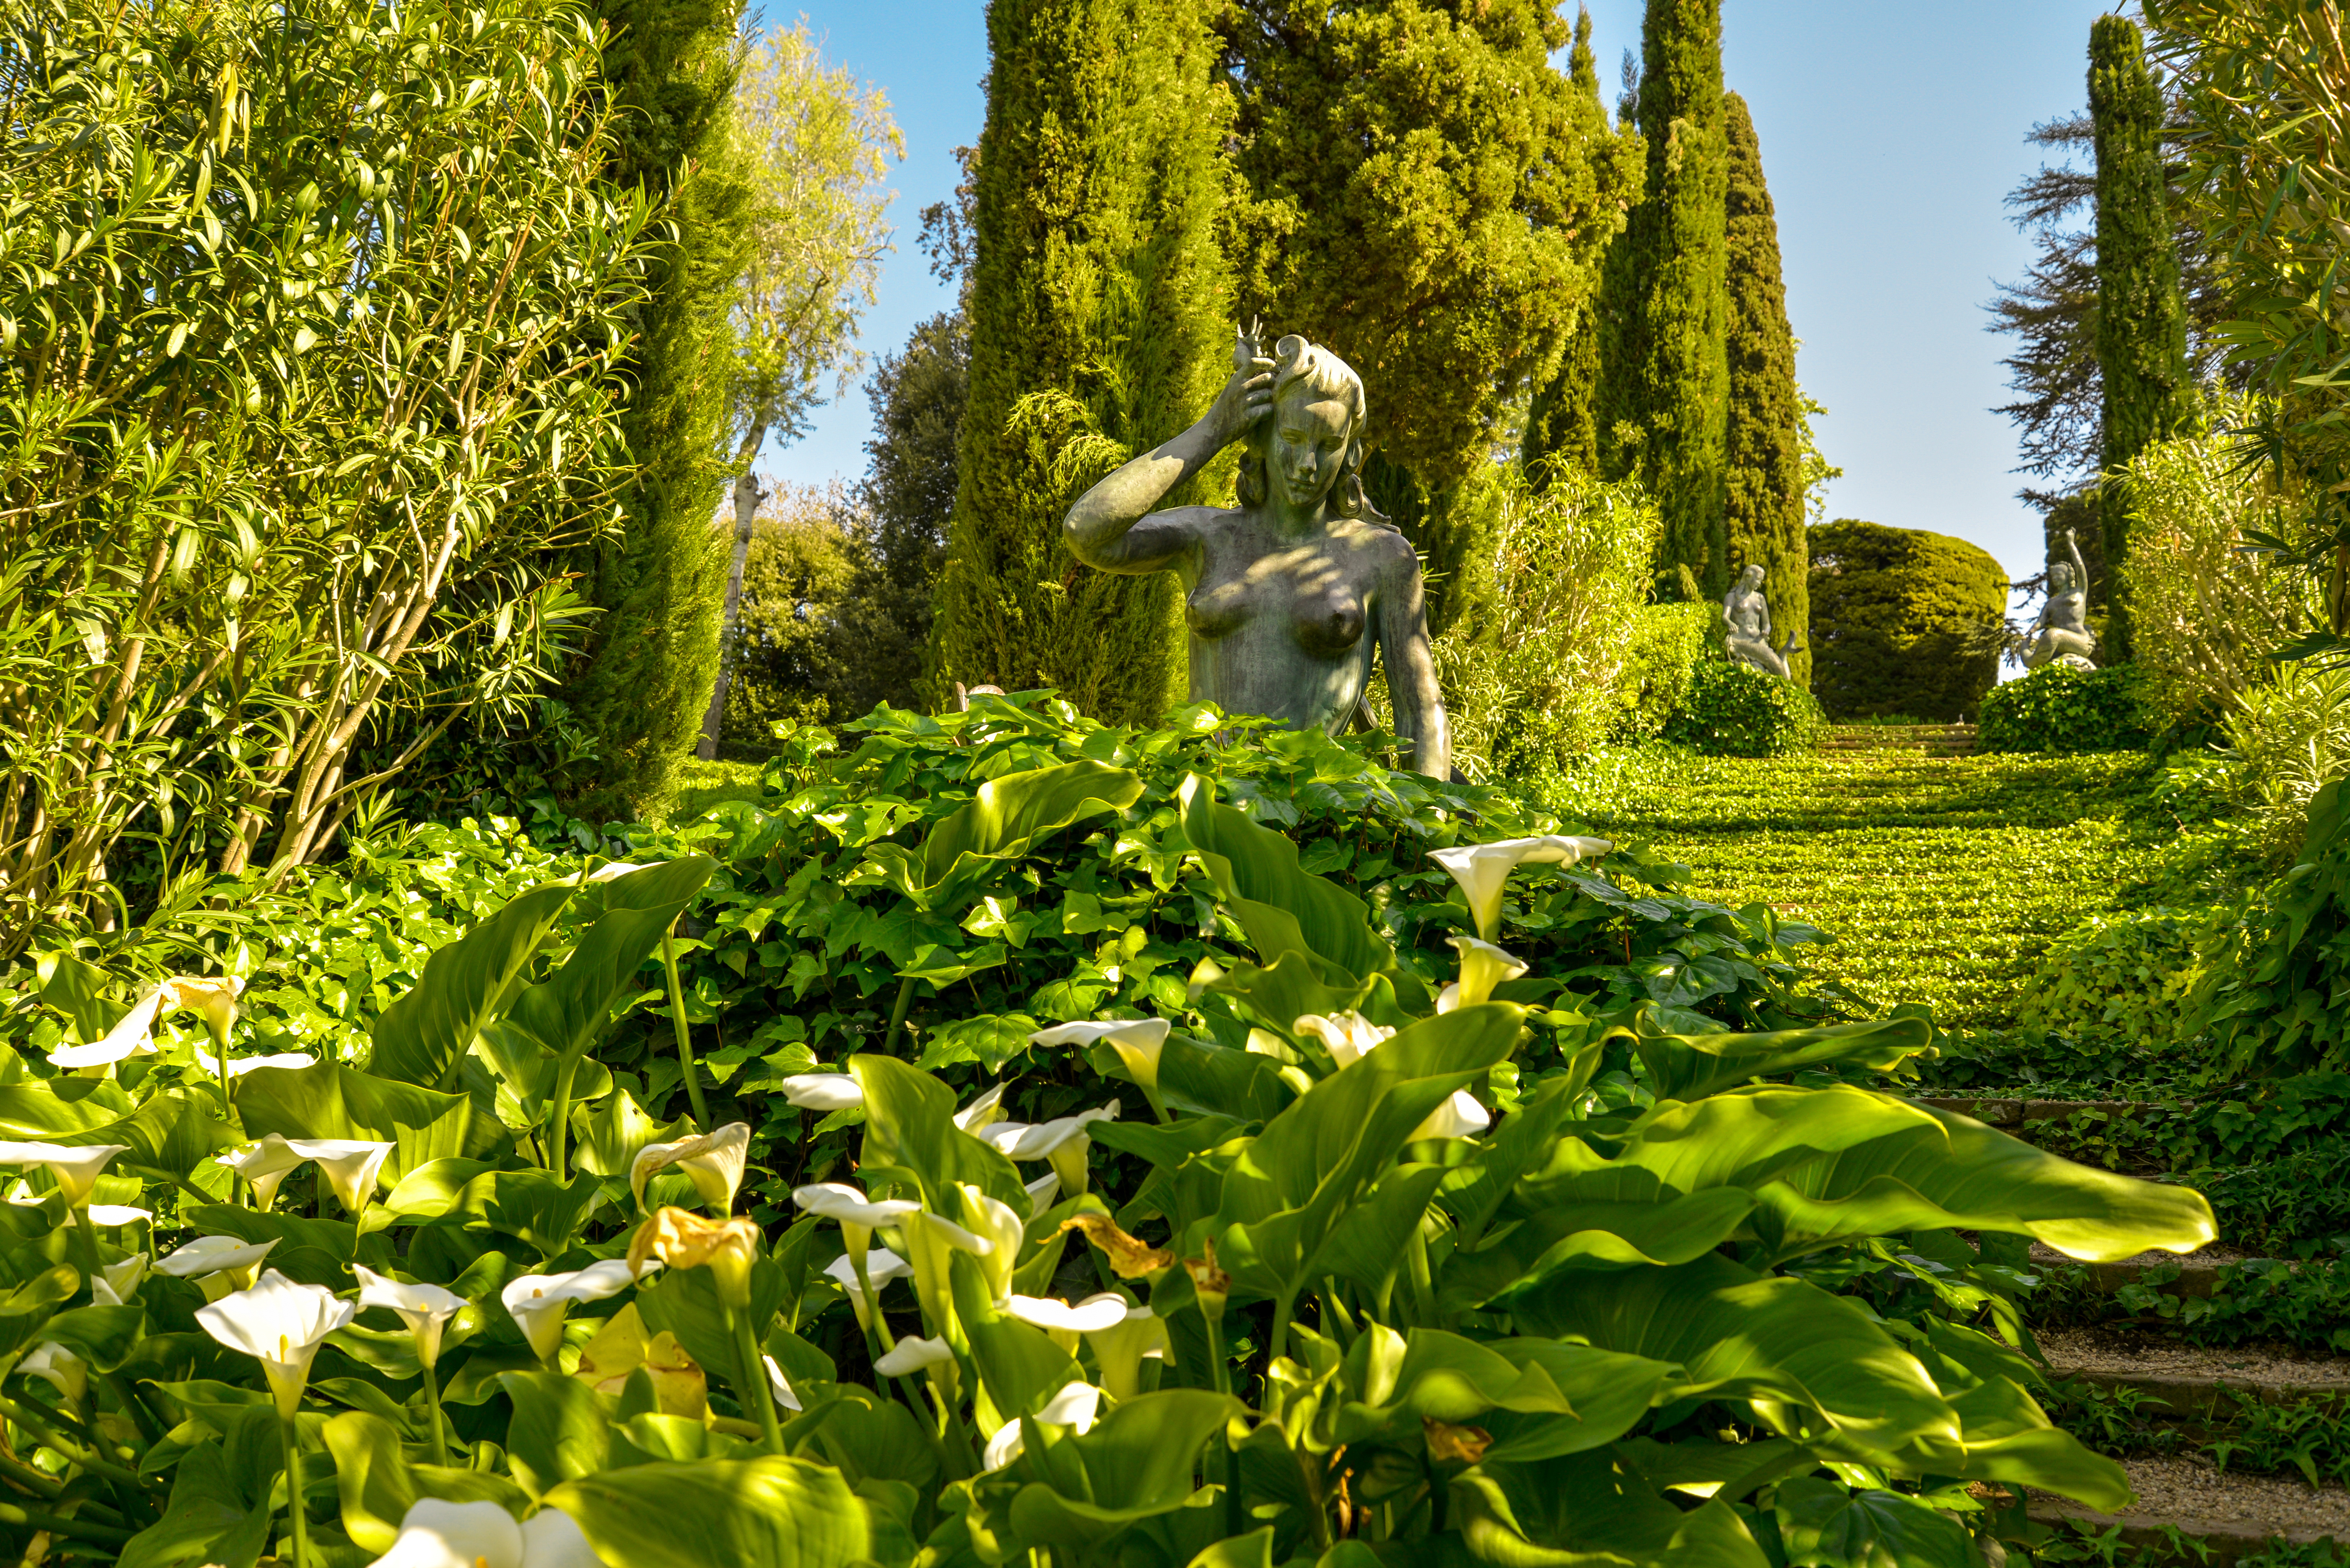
<point>1042,1191</point>
<point>1459,1117</point>
<point>715,1160</point>
<point>116,1282</point>
<point>1484,966</point>
<point>351,1166</point>
<point>1348,1036</point>
<point>684,1240</point>
<point>215,996</point>
<point>425,1309</point>
<point>263,1165</point>
<point>823,1092</point>
<point>1001,1225</point>
<point>857,1213</point>
<point>538,1302</point>
<point>780,1385</point>
<point>112,1214</point>
<point>881,1266</point>
<point>613,870</point>
<point>1121,1347</point>
<point>1075,1406</point>
<point>437,1534</point>
<point>984,1110</point>
<point>212,1255</point>
<point>1063,1140</point>
<point>68,1373</point>
<point>911,1354</point>
<point>929,1242</point>
<point>1483,869</point>
<point>1139,1042</point>
<point>74,1168</point>
<point>239,1067</point>
<point>281,1325</point>
<point>1064,1322</point>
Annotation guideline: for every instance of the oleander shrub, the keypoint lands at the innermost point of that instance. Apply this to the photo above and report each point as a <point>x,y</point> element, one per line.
<point>2061,710</point>
<point>1903,621</point>
<point>1734,710</point>
<point>1667,644</point>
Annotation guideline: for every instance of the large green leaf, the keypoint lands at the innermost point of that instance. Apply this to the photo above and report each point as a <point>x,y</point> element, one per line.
<point>168,1132</point>
<point>1824,1526</point>
<point>208,1520</point>
<point>1135,1462</point>
<point>567,1012</point>
<point>1691,1067</point>
<point>909,1124</point>
<point>331,1100</point>
<point>421,1037</point>
<point>1576,1512</point>
<point>741,1513</point>
<point>1538,1398</point>
<point>1008,815</point>
<point>1284,908</point>
<point>561,1430</point>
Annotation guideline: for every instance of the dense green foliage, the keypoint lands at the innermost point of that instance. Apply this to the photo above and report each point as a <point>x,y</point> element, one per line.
<point>2276,997</point>
<point>2057,708</point>
<point>2126,977</point>
<point>257,506</point>
<point>1665,365</point>
<point>1098,328</point>
<point>1733,710</point>
<point>1763,445</point>
<point>2141,312</point>
<point>1429,199</point>
<point>643,678</point>
<point>1667,644</point>
<point>1902,621</point>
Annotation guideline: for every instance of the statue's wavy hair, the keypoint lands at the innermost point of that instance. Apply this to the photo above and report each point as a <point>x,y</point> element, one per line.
<point>1325,374</point>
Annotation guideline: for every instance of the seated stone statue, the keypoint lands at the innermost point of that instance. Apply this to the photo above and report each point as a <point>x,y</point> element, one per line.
<point>1747,614</point>
<point>2062,634</point>
<point>1291,594</point>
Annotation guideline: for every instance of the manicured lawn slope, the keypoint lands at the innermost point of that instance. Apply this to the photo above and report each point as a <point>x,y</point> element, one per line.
<point>1939,879</point>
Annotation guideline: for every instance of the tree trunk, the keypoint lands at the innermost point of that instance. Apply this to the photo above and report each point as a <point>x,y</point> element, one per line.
<point>747,496</point>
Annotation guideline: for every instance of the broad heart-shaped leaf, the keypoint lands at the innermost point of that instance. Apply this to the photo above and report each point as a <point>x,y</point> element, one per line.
<point>611,1134</point>
<point>78,991</point>
<point>331,1100</point>
<point>1201,1078</point>
<point>1560,1235</point>
<point>419,1037</point>
<point>1280,994</point>
<point>1008,815</point>
<point>909,1124</point>
<point>167,1133</point>
<point>725,1514</point>
<point>1691,1067</point>
<point>102,1335</point>
<point>1578,1512</point>
<point>561,1430</point>
<point>1369,1244</point>
<point>530,1205</point>
<point>1289,1187</point>
<point>26,1310</point>
<point>376,1484</point>
<point>1539,1398</point>
<point>1824,1526</point>
<point>1772,1341</point>
<point>208,1520</point>
<point>567,1012</point>
<point>1293,910</point>
<point>2005,1437</point>
<point>1135,1461</point>
<point>1963,1175</point>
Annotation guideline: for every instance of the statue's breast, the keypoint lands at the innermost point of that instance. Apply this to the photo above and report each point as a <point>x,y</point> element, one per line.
<point>1304,586</point>
<point>1328,623</point>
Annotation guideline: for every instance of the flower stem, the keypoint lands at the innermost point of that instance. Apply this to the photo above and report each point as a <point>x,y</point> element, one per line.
<point>684,1045</point>
<point>285,1429</point>
<point>753,1388</point>
<point>86,1239</point>
<point>898,1015</point>
<point>432,1402</point>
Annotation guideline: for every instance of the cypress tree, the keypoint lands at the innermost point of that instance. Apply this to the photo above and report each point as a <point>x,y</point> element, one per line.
<point>1561,427</point>
<point>638,692</point>
<point>1762,438</point>
<point>1665,388</point>
<point>2141,311</point>
<point>1098,328</point>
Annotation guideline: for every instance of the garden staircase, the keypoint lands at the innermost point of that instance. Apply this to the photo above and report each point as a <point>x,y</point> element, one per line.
<point>1932,740</point>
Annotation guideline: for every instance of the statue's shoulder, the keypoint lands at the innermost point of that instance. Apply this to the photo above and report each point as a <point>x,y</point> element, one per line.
<point>1384,543</point>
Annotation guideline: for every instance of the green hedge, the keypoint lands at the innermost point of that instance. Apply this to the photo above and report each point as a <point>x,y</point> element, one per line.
<point>2123,977</point>
<point>1737,711</point>
<point>1669,642</point>
<point>2061,710</point>
<point>1899,622</point>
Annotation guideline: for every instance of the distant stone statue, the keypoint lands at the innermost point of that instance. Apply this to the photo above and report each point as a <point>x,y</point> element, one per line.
<point>2062,634</point>
<point>1747,615</point>
<point>1291,593</point>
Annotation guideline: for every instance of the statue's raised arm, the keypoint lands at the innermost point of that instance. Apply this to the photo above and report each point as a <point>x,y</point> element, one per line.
<point>1291,594</point>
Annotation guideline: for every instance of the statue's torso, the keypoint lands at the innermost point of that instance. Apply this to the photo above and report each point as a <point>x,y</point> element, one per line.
<point>2068,612</point>
<point>1283,626</point>
<point>1750,616</point>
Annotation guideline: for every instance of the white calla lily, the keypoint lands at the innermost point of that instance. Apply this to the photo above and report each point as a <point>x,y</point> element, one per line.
<point>1063,1140</point>
<point>1484,966</point>
<point>985,1109</point>
<point>1459,1117</point>
<point>1483,869</point>
<point>74,1168</point>
<point>1120,1348</point>
<point>881,1266</point>
<point>823,1092</point>
<point>240,1067</point>
<point>856,1213</point>
<point>1138,1041</point>
<point>281,1325</point>
<point>117,1282</point>
<point>1042,1191</point>
<point>63,1370</point>
<point>1066,1321</point>
<point>780,1385</point>
<point>713,1160</point>
<point>1348,1036</point>
<point>911,1354</point>
<point>212,1255</point>
<point>133,1035</point>
<point>537,1302</point>
<point>350,1166</point>
<point>263,1165</point>
<point>1075,1406</point>
<point>425,1309</point>
<point>113,1214</point>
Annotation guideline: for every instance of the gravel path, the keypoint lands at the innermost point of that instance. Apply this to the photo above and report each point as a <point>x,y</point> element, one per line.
<point>2124,1353</point>
<point>2191,1488</point>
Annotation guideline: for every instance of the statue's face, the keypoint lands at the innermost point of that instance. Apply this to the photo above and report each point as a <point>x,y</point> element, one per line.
<point>1752,578</point>
<point>1309,442</point>
<point>2059,579</point>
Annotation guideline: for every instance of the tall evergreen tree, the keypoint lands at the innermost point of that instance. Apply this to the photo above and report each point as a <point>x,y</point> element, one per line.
<point>1762,433</point>
<point>1561,424</point>
<point>1098,328</point>
<point>639,692</point>
<point>2141,311</point>
<point>1664,369</point>
<point>1429,199</point>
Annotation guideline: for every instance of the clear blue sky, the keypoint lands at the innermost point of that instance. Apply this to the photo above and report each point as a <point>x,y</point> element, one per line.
<point>1891,131</point>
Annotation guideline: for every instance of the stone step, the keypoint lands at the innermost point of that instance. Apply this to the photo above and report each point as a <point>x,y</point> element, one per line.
<point>2234,1514</point>
<point>2011,1112</point>
<point>2198,1271</point>
<point>2191,1382</point>
<point>1936,740</point>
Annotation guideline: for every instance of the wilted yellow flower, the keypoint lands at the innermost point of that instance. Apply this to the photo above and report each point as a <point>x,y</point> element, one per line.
<point>1130,1258</point>
<point>681,1239</point>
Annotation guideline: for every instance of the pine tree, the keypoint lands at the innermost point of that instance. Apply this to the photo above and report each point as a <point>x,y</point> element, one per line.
<point>1664,369</point>
<point>639,692</point>
<point>1763,441</point>
<point>1431,200</point>
<point>2141,311</point>
<point>1561,427</point>
<point>1100,328</point>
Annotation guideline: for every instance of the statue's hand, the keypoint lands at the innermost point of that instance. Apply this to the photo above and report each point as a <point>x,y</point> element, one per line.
<point>1246,398</point>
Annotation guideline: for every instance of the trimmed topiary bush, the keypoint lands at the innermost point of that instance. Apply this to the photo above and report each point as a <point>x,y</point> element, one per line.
<point>1737,711</point>
<point>1898,619</point>
<point>2059,709</point>
<point>1669,643</point>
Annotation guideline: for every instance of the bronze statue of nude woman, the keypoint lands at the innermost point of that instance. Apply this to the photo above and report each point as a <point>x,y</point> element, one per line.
<point>1291,593</point>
